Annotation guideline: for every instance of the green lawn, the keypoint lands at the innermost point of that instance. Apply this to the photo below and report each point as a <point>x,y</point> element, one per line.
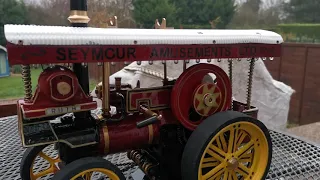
<point>12,86</point>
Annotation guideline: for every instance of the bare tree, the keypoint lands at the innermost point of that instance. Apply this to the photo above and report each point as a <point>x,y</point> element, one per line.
<point>101,10</point>
<point>268,15</point>
<point>56,12</point>
<point>43,12</point>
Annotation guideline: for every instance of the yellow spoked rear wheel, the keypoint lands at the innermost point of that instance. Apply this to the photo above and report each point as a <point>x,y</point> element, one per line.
<point>89,168</point>
<point>228,145</point>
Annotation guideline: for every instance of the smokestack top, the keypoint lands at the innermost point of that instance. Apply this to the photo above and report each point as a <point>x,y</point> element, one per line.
<point>78,13</point>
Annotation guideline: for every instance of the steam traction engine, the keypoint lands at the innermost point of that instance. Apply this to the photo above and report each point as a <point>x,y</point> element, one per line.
<point>189,128</point>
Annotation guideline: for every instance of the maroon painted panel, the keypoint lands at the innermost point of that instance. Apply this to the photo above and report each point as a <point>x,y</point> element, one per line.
<point>157,98</point>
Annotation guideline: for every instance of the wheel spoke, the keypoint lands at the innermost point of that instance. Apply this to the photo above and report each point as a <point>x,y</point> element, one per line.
<point>43,173</point>
<point>88,175</point>
<point>214,173</point>
<point>212,151</point>
<point>244,171</point>
<point>51,169</point>
<point>246,158</point>
<point>206,110</point>
<point>233,175</point>
<point>210,165</point>
<point>44,156</point>
<point>231,140</point>
<point>209,159</point>
<point>244,168</point>
<point>222,143</point>
<point>244,149</point>
<point>240,138</point>
<point>209,162</point>
<point>226,175</point>
<point>49,159</point>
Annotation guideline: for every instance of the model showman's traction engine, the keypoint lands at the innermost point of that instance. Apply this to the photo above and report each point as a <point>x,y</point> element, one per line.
<point>189,128</point>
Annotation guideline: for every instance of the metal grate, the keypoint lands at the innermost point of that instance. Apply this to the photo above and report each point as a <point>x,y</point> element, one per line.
<point>292,158</point>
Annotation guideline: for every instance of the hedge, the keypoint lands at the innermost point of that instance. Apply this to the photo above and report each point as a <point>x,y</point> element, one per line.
<point>194,26</point>
<point>301,30</point>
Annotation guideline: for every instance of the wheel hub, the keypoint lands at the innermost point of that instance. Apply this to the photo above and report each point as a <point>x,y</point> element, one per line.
<point>210,100</point>
<point>233,164</point>
<point>207,98</point>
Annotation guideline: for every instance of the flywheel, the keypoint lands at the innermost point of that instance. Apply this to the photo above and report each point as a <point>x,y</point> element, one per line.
<point>194,97</point>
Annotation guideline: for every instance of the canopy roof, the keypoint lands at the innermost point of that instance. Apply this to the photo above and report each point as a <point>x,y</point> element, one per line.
<point>30,44</point>
<point>57,35</point>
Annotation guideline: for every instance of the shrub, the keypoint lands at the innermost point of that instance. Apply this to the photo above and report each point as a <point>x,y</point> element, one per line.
<point>16,69</point>
<point>301,30</point>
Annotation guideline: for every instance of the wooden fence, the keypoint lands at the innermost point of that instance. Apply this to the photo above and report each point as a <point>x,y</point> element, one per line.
<point>298,67</point>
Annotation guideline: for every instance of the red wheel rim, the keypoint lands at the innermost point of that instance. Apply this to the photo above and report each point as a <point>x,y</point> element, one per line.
<point>182,95</point>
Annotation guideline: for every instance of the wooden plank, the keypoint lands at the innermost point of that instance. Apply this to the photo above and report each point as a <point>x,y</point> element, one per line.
<point>274,67</point>
<point>292,70</point>
<point>310,111</point>
<point>8,108</point>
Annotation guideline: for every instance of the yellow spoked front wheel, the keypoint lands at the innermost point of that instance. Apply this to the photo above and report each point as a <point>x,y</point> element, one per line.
<point>229,146</point>
<point>89,168</point>
<point>42,157</point>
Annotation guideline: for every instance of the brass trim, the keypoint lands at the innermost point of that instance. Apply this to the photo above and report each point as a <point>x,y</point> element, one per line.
<point>77,16</point>
<point>63,88</point>
<point>53,132</point>
<point>61,141</point>
<point>20,124</point>
<point>38,122</point>
<point>73,88</point>
<point>76,146</point>
<point>150,127</point>
<point>39,110</point>
<point>163,24</point>
<point>106,139</point>
<point>113,22</point>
